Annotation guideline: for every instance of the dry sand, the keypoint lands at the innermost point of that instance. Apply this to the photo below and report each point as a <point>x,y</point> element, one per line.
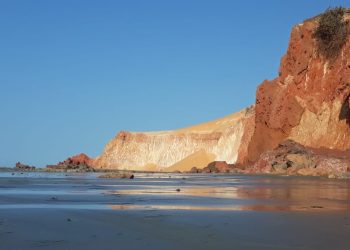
<point>199,159</point>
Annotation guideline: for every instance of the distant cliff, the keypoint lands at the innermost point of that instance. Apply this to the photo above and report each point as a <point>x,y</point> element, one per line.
<point>194,146</point>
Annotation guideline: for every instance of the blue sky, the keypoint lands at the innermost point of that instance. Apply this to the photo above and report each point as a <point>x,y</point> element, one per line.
<point>74,73</point>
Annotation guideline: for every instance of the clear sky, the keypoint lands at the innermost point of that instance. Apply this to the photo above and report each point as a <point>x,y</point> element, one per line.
<point>73,73</point>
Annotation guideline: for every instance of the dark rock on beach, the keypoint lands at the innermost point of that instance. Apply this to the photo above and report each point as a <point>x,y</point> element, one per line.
<point>118,175</point>
<point>78,163</point>
<point>292,158</point>
<point>20,166</point>
<point>219,167</point>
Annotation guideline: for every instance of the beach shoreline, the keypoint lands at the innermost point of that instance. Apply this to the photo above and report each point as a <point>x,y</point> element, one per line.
<point>160,211</point>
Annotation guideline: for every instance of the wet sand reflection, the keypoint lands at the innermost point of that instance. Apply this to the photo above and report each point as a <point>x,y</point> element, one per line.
<point>267,208</point>
<point>176,192</point>
<point>275,194</point>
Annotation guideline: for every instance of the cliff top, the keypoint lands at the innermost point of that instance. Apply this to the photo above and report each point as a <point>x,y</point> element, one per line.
<point>316,18</point>
<point>217,125</point>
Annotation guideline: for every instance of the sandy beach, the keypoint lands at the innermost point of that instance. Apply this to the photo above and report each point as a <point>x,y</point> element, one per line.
<point>80,211</point>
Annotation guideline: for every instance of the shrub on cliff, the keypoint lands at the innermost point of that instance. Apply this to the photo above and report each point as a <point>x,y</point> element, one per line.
<point>332,32</point>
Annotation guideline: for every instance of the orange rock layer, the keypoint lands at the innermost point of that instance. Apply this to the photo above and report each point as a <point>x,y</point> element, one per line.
<point>308,102</point>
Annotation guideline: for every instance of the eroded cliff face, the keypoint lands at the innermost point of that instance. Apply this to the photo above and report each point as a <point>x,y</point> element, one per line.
<point>197,146</point>
<point>308,102</point>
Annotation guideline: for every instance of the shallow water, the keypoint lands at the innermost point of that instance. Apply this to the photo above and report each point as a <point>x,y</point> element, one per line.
<point>196,192</point>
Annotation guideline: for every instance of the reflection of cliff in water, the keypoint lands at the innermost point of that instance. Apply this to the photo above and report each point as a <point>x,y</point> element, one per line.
<point>265,194</point>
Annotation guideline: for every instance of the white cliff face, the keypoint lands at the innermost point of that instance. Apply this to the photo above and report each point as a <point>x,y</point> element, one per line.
<point>216,140</point>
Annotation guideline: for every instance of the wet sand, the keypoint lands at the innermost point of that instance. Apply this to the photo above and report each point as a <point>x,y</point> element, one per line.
<point>80,211</point>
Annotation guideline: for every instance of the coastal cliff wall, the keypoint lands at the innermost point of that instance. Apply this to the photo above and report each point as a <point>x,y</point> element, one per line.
<point>309,101</point>
<point>199,145</point>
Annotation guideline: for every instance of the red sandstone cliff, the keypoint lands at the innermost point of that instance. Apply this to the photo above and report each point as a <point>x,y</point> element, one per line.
<point>308,102</point>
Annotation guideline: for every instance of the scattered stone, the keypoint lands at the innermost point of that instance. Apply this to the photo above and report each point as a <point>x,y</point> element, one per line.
<point>316,207</point>
<point>219,167</point>
<point>117,175</point>
<point>195,170</point>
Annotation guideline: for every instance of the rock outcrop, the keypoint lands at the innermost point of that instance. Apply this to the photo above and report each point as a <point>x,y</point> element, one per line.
<point>308,102</point>
<point>219,167</point>
<point>197,146</point>
<point>77,163</point>
<point>117,175</point>
<point>80,159</point>
<point>21,166</point>
<point>292,158</point>
<point>216,167</point>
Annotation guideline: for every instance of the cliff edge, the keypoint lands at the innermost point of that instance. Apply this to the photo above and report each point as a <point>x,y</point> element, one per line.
<point>309,101</point>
